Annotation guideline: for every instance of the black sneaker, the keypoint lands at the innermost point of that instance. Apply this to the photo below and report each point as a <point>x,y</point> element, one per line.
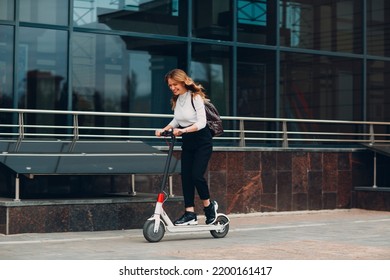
<point>189,218</point>
<point>211,212</point>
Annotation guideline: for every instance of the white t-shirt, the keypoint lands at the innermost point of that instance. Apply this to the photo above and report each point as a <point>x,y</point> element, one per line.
<point>184,113</point>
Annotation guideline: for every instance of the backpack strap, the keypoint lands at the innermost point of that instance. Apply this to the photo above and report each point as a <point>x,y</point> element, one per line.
<point>192,102</point>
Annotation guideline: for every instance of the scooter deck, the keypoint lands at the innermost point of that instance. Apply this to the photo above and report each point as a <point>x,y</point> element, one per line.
<point>194,228</point>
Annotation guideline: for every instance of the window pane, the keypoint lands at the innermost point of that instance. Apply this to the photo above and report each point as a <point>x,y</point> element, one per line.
<point>7,9</point>
<point>42,68</point>
<point>44,11</point>
<point>378,27</point>
<point>6,66</point>
<point>123,74</point>
<point>378,87</point>
<point>323,25</point>
<point>149,16</point>
<point>210,67</point>
<point>320,87</point>
<point>256,21</point>
<point>212,19</point>
<point>255,88</point>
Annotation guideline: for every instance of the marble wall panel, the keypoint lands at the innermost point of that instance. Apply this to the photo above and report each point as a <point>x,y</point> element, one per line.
<point>268,162</point>
<point>218,188</point>
<point>300,167</point>
<point>315,190</point>
<point>284,161</point>
<point>373,200</point>
<point>344,161</point>
<point>268,172</point>
<point>244,192</point>
<point>27,219</point>
<point>284,191</point>
<point>241,182</point>
<point>329,200</point>
<point>80,218</point>
<point>236,162</point>
<point>252,161</point>
<point>83,217</point>
<point>132,216</point>
<point>330,163</point>
<point>56,218</point>
<point>268,202</point>
<point>343,192</point>
<point>268,181</point>
<point>299,201</point>
<point>218,161</point>
<point>362,168</point>
<point>3,220</point>
<point>315,161</point>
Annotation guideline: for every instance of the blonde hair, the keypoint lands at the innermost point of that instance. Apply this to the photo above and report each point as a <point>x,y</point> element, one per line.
<point>180,76</point>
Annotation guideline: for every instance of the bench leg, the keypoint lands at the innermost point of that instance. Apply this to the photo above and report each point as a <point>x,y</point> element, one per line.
<point>374,184</point>
<point>17,188</point>
<point>171,186</point>
<point>133,192</point>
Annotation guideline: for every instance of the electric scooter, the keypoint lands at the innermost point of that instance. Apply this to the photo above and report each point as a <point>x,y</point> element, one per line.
<point>155,227</point>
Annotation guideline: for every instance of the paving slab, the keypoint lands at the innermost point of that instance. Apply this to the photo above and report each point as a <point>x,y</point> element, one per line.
<point>350,234</point>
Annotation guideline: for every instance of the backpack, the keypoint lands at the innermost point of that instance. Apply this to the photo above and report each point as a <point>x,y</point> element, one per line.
<point>214,121</point>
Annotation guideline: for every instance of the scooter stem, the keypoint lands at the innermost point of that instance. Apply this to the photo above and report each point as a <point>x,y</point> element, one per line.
<point>168,162</point>
<point>158,210</point>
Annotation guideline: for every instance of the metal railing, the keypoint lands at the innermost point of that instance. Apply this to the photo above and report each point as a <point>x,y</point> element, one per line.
<point>29,124</point>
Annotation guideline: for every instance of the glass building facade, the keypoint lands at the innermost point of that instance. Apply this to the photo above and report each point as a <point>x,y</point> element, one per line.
<point>326,59</point>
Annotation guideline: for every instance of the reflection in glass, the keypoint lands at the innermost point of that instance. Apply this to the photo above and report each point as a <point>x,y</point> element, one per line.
<point>321,25</point>
<point>320,87</point>
<point>6,66</point>
<point>122,74</point>
<point>378,87</point>
<point>150,16</point>
<point>212,19</point>
<point>7,9</point>
<point>44,11</point>
<point>256,21</point>
<point>42,71</point>
<point>210,66</point>
<point>378,27</point>
<point>256,89</point>
<point>255,86</point>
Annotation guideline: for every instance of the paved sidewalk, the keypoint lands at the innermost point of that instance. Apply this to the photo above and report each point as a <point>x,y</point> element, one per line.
<point>307,235</point>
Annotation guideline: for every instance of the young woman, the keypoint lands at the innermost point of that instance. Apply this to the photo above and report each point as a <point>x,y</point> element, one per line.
<point>189,122</point>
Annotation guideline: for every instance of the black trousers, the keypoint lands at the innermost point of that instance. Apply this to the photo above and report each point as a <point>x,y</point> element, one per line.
<point>197,148</point>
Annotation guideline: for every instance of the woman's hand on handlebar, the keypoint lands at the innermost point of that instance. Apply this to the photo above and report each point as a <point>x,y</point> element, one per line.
<point>158,132</point>
<point>179,131</point>
<point>165,133</point>
<point>175,131</point>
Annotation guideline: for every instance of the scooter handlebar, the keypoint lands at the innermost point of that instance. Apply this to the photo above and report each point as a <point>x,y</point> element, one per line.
<point>167,133</point>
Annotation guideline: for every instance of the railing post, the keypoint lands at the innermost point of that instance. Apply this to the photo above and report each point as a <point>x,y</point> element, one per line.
<point>21,131</point>
<point>372,134</point>
<point>374,183</point>
<point>285,139</point>
<point>75,132</point>
<point>171,194</point>
<point>133,192</point>
<point>17,188</point>
<point>242,134</point>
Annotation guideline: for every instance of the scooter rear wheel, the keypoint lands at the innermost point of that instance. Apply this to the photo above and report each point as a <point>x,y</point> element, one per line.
<point>149,233</point>
<point>221,233</point>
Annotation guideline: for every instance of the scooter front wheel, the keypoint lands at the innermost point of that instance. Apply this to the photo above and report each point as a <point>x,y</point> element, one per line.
<point>149,233</point>
<point>222,220</point>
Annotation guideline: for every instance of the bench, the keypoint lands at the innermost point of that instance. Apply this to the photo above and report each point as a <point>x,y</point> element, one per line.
<point>59,157</point>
